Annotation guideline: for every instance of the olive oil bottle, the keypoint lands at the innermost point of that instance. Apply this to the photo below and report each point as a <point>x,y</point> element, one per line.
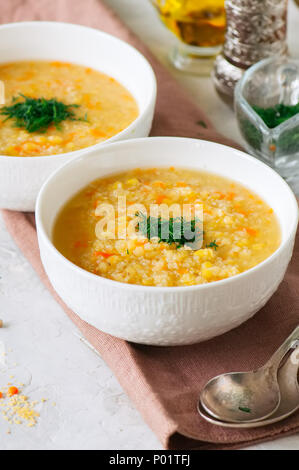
<point>199,26</point>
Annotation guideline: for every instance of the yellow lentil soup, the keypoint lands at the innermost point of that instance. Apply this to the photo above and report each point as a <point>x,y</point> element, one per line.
<point>104,107</point>
<point>240,229</point>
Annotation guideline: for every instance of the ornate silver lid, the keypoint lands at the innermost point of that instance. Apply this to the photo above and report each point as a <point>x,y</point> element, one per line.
<point>256,29</point>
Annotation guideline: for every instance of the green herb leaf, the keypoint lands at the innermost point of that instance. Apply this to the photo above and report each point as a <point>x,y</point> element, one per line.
<point>213,245</point>
<point>202,124</point>
<point>173,230</point>
<point>244,409</point>
<point>37,114</point>
<point>277,114</point>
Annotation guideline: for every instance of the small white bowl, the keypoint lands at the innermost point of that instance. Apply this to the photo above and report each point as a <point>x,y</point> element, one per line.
<point>166,315</point>
<point>22,177</point>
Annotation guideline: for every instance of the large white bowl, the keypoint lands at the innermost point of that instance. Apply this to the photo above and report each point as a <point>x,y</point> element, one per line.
<point>165,315</point>
<point>21,178</point>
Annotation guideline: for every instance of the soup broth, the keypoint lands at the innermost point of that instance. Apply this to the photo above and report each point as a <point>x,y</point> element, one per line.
<point>240,229</point>
<point>104,107</point>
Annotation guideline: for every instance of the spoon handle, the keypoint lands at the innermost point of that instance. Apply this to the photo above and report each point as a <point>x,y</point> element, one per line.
<point>277,357</point>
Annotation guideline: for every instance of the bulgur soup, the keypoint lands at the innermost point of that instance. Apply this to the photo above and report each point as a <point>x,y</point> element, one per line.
<point>239,229</point>
<point>57,107</point>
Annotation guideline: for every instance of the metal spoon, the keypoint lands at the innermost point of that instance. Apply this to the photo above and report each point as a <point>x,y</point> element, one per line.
<point>289,390</point>
<point>247,396</point>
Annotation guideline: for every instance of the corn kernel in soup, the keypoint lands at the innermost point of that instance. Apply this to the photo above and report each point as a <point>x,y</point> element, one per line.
<point>109,108</point>
<point>240,229</point>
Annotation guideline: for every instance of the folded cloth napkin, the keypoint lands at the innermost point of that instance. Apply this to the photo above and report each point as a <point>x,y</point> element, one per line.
<point>164,383</point>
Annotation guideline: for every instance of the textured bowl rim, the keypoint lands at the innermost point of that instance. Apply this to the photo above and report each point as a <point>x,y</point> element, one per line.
<point>119,135</point>
<point>166,289</point>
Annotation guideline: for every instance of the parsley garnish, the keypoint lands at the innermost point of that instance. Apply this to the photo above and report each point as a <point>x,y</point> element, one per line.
<point>37,114</point>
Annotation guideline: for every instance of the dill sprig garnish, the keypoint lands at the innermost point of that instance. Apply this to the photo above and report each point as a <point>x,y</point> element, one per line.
<point>37,114</point>
<point>213,244</point>
<point>277,114</point>
<point>173,230</point>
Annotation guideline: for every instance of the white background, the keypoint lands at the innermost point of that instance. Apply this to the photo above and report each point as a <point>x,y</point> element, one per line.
<point>86,408</point>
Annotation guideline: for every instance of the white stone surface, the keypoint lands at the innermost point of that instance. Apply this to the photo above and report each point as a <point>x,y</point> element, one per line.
<point>42,346</point>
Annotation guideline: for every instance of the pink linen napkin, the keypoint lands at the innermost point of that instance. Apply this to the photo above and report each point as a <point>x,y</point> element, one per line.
<point>164,383</point>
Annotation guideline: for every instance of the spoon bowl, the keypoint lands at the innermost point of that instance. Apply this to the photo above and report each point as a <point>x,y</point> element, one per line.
<point>242,397</point>
<point>247,396</point>
<point>289,392</point>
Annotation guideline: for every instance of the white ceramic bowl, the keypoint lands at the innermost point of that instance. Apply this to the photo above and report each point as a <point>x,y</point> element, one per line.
<point>165,315</point>
<point>22,178</point>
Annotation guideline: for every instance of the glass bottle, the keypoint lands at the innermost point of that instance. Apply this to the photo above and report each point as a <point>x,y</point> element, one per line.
<point>199,26</point>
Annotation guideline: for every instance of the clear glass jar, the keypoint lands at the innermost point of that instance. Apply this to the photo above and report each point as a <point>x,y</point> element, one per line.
<point>266,84</point>
<point>199,26</point>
